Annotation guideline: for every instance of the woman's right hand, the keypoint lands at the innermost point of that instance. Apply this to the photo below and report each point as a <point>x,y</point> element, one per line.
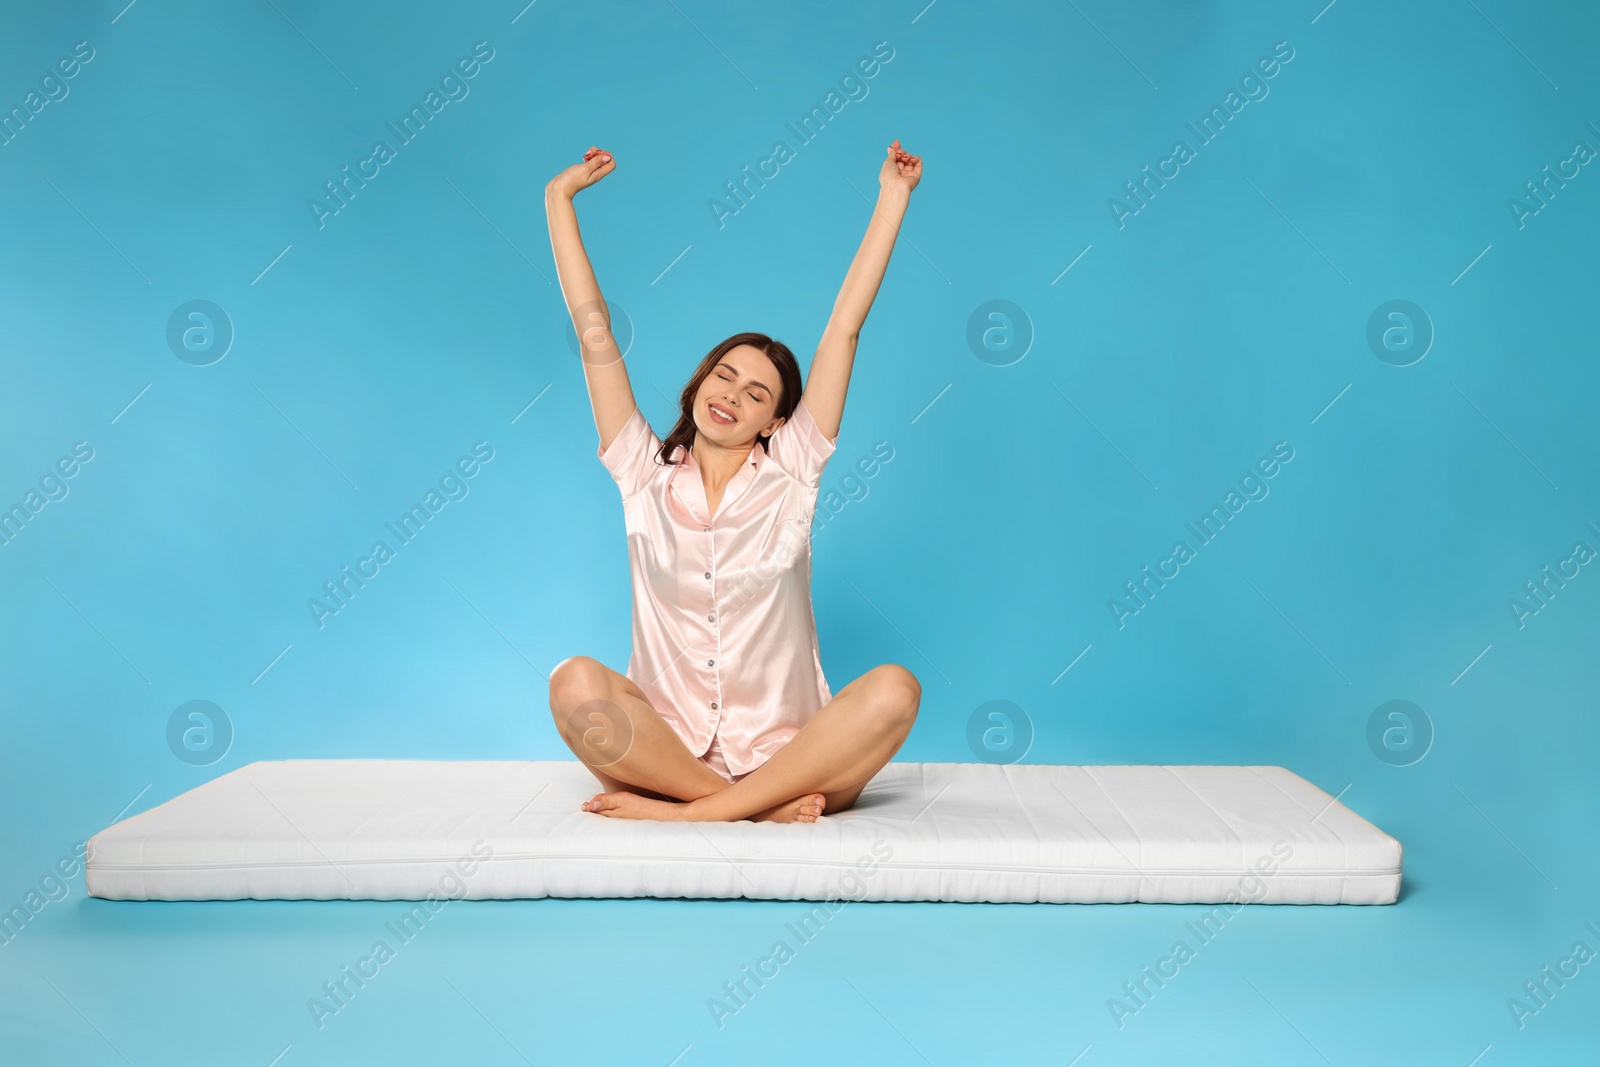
<point>578,177</point>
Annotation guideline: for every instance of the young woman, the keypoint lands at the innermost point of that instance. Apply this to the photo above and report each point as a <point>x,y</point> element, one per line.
<point>724,713</point>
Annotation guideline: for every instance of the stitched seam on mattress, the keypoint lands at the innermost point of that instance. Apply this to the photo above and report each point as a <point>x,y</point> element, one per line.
<point>1091,824</point>
<point>1344,846</point>
<point>1237,840</point>
<point>1230,872</point>
<point>499,791</point>
<point>392,802</point>
<point>1284,794</point>
<point>1088,772</point>
<point>1038,841</point>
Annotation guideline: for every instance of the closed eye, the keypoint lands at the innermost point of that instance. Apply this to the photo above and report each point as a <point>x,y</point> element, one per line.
<point>752,394</point>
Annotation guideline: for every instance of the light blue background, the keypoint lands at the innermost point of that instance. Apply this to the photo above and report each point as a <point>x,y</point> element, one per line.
<point>1227,315</point>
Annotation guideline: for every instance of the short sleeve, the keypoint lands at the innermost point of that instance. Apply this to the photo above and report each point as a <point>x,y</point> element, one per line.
<point>631,453</point>
<point>799,447</point>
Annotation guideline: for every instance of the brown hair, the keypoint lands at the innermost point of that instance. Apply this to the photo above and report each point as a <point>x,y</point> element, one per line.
<point>788,393</point>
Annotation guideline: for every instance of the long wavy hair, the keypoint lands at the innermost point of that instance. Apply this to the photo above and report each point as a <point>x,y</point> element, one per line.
<point>790,387</point>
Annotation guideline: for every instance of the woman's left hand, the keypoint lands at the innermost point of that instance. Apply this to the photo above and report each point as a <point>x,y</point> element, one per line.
<point>901,169</point>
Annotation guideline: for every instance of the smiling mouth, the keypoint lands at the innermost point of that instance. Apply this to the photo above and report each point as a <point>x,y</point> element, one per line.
<point>721,415</point>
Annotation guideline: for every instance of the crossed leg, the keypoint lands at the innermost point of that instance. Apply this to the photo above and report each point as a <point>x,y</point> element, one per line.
<point>609,724</point>
<point>646,770</point>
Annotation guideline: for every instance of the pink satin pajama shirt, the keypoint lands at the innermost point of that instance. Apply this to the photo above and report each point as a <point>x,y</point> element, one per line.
<point>724,640</point>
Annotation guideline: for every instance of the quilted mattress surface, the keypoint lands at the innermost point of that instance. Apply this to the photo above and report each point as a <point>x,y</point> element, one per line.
<point>418,829</point>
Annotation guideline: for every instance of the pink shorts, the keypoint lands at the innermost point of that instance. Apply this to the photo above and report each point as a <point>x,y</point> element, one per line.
<point>713,759</point>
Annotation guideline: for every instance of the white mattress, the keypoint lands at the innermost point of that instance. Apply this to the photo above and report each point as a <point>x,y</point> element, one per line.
<point>415,829</point>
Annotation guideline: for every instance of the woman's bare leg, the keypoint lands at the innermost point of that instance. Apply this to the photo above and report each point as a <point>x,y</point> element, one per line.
<point>608,722</point>
<point>835,754</point>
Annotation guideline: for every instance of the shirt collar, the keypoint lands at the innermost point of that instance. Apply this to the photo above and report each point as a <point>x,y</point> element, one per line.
<point>686,481</point>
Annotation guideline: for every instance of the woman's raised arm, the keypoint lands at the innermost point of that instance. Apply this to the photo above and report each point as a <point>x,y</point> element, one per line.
<point>829,378</point>
<point>610,393</point>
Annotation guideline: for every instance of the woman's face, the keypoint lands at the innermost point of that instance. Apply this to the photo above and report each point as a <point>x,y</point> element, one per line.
<point>744,385</point>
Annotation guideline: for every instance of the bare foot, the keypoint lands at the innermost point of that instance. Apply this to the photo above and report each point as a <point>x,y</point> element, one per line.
<point>800,809</point>
<point>625,805</point>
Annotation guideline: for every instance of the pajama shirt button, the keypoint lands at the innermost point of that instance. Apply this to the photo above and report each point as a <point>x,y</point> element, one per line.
<point>708,575</point>
<point>711,618</point>
<point>713,705</point>
<point>711,663</point>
